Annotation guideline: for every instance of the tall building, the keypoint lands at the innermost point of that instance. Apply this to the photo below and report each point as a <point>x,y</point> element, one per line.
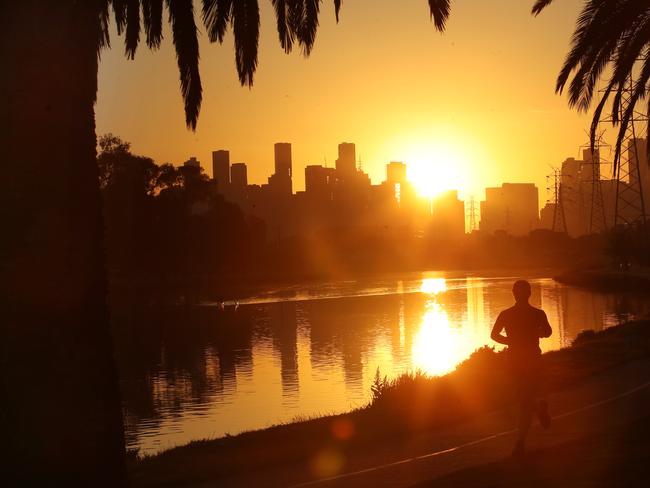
<point>578,180</point>
<point>280,182</point>
<point>319,181</point>
<point>395,173</point>
<point>221,169</point>
<point>448,217</point>
<point>513,208</point>
<point>346,164</point>
<point>283,166</point>
<point>238,175</point>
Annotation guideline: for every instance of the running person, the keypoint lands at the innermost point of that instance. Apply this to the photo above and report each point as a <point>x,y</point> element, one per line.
<point>524,325</point>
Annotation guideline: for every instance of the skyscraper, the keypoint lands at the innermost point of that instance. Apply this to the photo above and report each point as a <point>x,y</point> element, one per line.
<point>395,173</point>
<point>283,165</point>
<point>238,176</point>
<point>221,169</point>
<point>280,181</point>
<point>346,164</point>
<point>513,208</point>
<point>319,181</point>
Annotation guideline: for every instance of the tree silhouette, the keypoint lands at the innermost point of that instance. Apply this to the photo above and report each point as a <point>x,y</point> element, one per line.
<point>61,418</point>
<point>609,34</point>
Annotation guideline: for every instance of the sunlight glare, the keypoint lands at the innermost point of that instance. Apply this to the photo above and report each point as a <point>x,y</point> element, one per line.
<point>433,286</point>
<point>436,167</point>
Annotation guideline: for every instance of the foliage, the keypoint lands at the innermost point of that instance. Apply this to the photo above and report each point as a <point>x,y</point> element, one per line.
<point>167,223</point>
<point>379,385</point>
<point>297,22</point>
<point>584,336</point>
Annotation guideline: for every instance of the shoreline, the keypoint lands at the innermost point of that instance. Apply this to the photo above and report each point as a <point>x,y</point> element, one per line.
<point>606,280</point>
<point>476,386</point>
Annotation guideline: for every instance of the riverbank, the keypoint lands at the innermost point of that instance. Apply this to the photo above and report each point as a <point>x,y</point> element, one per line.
<point>403,410</point>
<point>606,280</point>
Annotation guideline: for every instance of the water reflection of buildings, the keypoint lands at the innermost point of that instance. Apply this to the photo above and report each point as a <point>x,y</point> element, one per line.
<point>311,357</point>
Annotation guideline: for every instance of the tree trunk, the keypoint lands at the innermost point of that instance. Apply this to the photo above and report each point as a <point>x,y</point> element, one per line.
<point>60,409</point>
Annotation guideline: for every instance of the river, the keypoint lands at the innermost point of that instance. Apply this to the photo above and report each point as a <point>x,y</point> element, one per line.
<point>298,352</point>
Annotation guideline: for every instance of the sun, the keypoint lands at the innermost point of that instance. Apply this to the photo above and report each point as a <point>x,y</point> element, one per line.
<point>435,167</point>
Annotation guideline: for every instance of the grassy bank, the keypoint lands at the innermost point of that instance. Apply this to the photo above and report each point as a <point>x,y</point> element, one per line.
<point>400,408</point>
<point>607,280</point>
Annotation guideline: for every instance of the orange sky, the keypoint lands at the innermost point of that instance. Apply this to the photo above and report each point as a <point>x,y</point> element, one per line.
<point>481,96</point>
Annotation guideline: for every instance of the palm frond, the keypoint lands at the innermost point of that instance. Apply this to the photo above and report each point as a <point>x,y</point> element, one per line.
<point>309,25</point>
<point>440,12</point>
<point>216,16</point>
<point>104,17</point>
<point>184,32</point>
<point>246,28</point>
<point>132,36</point>
<point>119,10</point>
<point>540,5</point>
<point>152,19</point>
<point>337,9</point>
<point>285,33</point>
<point>295,15</point>
<point>612,33</point>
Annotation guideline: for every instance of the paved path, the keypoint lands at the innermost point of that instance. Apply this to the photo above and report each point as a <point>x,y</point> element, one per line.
<point>605,402</point>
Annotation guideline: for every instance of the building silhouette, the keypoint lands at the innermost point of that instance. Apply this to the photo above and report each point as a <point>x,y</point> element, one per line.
<point>339,199</point>
<point>221,169</point>
<point>512,208</point>
<point>448,215</point>
<point>346,164</point>
<point>280,182</point>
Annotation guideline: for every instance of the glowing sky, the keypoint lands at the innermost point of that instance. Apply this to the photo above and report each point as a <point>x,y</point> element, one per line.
<point>383,78</point>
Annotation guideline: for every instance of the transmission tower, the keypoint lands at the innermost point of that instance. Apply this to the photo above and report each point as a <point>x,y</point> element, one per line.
<point>597,216</point>
<point>559,217</point>
<point>630,209</point>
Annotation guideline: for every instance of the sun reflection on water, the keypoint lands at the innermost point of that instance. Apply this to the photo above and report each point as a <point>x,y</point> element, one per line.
<point>435,344</point>
<point>440,344</point>
<point>433,286</point>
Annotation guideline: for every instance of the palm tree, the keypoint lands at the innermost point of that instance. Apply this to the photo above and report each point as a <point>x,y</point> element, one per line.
<point>614,35</point>
<point>60,411</point>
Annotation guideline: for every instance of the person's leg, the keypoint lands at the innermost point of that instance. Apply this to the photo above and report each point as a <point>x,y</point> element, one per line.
<point>526,410</point>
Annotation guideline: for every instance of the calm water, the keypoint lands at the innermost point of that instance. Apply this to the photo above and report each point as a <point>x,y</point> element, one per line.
<point>307,351</point>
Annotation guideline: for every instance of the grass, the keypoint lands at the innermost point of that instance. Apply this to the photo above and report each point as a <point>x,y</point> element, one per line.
<point>399,408</point>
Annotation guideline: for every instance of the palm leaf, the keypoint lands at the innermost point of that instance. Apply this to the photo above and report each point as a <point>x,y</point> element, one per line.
<point>119,9</point>
<point>132,37</point>
<point>181,17</point>
<point>152,19</point>
<point>309,25</point>
<point>216,16</point>
<point>295,15</point>
<point>246,27</point>
<point>440,12</point>
<point>337,9</point>
<point>104,17</point>
<point>540,5</point>
<point>285,33</point>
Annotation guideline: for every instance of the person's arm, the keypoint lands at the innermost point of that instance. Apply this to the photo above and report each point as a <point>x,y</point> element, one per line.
<point>544,327</point>
<point>497,330</point>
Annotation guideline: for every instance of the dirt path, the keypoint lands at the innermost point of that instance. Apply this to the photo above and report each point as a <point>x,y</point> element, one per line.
<point>603,404</point>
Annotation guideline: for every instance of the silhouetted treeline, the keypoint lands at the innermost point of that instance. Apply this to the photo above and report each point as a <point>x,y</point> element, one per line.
<point>166,226</point>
